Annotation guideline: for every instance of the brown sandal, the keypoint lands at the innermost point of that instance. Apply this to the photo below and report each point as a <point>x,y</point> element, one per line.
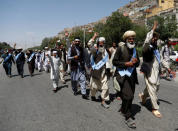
<point>143,101</point>
<point>156,113</point>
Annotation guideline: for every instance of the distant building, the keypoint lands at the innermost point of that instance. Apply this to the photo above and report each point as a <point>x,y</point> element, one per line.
<point>165,8</point>
<point>141,10</point>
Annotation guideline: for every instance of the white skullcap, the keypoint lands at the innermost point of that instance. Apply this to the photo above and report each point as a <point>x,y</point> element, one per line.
<point>54,52</point>
<point>58,41</point>
<point>46,47</point>
<point>129,34</point>
<point>101,39</point>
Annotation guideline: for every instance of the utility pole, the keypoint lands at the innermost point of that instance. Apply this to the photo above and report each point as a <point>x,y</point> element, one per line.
<point>84,37</point>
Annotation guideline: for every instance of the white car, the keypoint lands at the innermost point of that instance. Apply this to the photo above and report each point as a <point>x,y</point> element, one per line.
<point>174,55</point>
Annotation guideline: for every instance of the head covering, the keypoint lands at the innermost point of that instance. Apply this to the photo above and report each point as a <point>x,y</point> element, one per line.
<point>101,39</point>
<point>54,52</point>
<point>46,47</point>
<point>129,34</point>
<point>58,41</point>
<point>77,39</point>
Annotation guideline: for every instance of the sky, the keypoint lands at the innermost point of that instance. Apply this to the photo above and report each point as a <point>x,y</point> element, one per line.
<point>27,22</point>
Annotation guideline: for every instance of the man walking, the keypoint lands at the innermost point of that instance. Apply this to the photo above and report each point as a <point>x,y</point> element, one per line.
<point>55,63</point>
<point>20,61</point>
<point>151,69</point>
<point>7,63</point>
<point>100,70</point>
<point>77,64</point>
<point>31,61</point>
<point>126,60</point>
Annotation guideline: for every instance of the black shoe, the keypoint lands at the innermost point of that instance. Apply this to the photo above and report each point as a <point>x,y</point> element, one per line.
<point>75,93</point>
<point>22,76</point>
<point>85,97</point>
<point>55,90</point>
<point>93,98</point>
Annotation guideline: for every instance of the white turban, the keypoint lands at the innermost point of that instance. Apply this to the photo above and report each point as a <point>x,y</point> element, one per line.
<point>46,47</point>
<point>54,52</point>
<point>129,34</point>
<point>58,41</point>
<point>101,39</point>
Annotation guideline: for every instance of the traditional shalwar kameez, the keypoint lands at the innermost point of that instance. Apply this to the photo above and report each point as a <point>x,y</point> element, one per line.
<point>31,62</point>
<point>55,63</point>
<point>38,60</point>
<point>20,61</point>
<point>126,76</point>
<point>7,63</point>
<point>99,78</point>
<point>46,61</point>
<point>62,65</point>
<point>77,68</point>
<point>151,70</point>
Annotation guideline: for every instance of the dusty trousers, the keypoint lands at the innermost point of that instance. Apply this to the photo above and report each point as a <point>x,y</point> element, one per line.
<point>127,95</point>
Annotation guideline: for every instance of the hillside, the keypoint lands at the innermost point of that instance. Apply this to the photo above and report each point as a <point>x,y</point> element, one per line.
<point>135,10</point>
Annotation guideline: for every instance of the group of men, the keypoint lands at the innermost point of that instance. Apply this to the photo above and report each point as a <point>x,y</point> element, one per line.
<point>100,64</point>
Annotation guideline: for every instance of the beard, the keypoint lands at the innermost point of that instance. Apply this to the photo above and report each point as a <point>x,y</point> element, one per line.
<point>130,46</point>
<point>154,45</point>
<point>101,50</point>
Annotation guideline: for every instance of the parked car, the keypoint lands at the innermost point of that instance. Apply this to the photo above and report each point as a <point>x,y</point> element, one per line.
<point>174,55</point>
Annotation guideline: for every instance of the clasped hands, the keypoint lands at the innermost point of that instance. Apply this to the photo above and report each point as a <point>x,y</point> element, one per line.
<point>131,63</point>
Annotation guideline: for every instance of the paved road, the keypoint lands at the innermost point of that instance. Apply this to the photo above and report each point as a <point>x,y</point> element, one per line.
<point>29,104</point>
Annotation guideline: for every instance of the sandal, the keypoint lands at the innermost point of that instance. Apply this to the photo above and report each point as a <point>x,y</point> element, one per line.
<point>143,101</point>
<point>130,123</point>
<point>156,113</point>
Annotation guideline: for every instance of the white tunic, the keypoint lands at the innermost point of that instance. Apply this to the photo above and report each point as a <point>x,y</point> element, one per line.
<point>55,63</point>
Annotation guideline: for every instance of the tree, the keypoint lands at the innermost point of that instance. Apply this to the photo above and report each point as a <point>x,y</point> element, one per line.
<point>115,27</point>
<point>45,42</point>
<point>141,32</point>
<point>4,45</point>
<point>167,26</point>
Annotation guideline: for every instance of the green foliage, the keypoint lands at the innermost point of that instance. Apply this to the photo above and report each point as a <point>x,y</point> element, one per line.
<point>141,32</point>
<point>4,45</point>
<point>45,42</point>
<point>77,33</point>
<point>139,50</point>
<point>167,27</point>
<point>176,47</point>
<point>115,27</point>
